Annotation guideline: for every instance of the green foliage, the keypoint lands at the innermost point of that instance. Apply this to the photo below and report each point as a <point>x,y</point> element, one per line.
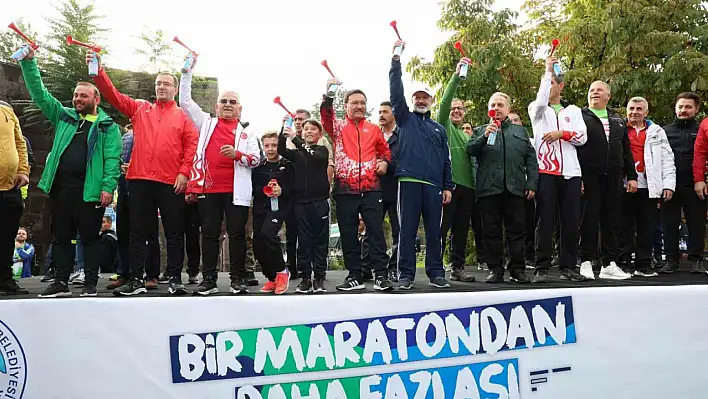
<point>157,51</point>
<point>650,48</point>
<point>11,41</point>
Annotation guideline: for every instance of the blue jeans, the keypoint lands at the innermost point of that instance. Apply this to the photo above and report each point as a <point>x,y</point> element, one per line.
<point>79,257</point>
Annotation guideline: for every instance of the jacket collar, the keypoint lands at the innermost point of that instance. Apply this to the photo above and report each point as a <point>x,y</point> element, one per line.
<point>686,123</point>
<point>351,121</point>
<point>101,116</point>
<point>165,104</point>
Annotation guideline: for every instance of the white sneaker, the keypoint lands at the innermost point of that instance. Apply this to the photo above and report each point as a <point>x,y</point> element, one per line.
<point>586,270</point>
<point>73,276</point>
<point>80,279</point>
<point>613,272</point>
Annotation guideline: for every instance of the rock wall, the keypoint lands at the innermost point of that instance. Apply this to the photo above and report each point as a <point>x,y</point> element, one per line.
<point>12,89</point>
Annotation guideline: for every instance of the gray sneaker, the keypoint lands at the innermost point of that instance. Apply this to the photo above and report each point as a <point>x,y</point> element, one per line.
<point>404,284</point>
<point>460,275</point>
<point>177,288</point>
<point>439,282</point>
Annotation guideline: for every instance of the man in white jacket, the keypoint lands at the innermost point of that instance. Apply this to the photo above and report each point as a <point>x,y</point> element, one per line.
<point>221,183</point>
<point>557,129</point>
<point>656,179</point>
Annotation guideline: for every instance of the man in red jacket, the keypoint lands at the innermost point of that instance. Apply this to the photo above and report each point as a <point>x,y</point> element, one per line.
<point>700,157</point>
<point>163,152</point>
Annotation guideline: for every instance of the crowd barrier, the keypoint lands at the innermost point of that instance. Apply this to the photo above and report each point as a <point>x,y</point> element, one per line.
<point>630,342</point>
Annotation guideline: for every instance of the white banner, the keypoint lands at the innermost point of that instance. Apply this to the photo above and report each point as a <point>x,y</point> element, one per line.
<point>629,342</point>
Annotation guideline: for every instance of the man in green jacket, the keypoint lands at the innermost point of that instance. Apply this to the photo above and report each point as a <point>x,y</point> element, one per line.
<point>80,175</point>
<point>457,213</point>
<point>508,173</point>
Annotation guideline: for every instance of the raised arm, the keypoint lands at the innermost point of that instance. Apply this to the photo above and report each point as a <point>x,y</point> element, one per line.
<point>283,149</point>
<point>539,105</point>
<point>51,107</point>
<point>121,102</point>
<point>112,149</point>
<point>327,115</point>
<point>398,99</point>
<point>193,111</point>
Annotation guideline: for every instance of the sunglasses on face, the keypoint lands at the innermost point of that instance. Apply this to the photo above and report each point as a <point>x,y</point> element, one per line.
<point>226,101</point>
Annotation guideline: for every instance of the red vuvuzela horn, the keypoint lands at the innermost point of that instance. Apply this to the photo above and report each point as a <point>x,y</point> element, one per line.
<point>326,65</point>
<point>277,101</point>
<point>554,46</point>
<point>181,43</point>
<point>458,46</point>
<point>267,190</point>
<point>71,41</point>
<point>29,41</point>
<point>493,114</point>
<point>394,25</point>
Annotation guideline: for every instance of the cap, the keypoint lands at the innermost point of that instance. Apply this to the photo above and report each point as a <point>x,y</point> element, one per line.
<point>423,89</point>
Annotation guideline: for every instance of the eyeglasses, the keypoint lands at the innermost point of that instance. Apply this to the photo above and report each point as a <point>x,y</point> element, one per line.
<point>458,108</point>
<point>166,84</point>
<point>225,101</point>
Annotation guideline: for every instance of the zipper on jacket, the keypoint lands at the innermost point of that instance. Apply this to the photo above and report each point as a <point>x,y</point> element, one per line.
<point>358,139</point>
<point>560,145</point>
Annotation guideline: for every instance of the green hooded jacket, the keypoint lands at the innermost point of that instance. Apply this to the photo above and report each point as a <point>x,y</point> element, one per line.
<point>104,140</point>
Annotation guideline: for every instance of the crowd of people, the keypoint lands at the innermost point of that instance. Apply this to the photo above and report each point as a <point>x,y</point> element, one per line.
<point>595,183</point>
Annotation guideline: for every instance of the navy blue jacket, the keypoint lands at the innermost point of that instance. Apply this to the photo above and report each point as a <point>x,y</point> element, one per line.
<point>422,143</point>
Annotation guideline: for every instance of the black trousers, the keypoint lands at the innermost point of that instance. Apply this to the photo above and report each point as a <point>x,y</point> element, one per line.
<point>391,209</point>
<point>313,233</point>
<point>70,214</point>
<point>639,219</point>
<point>146,197</point>
<point>476,222</point>
<point>499,211</point>
<point>603,206</point>
<point>291,234</point>
<point>456,216</point>
<point>11,208</point>
<point>191,238</point>
<point>368,205</point>
<point>557,203</point>
<point>213,209</point>
<point>694,211</point>
<point>266,242</point>
<point>152,262</point>
<point>531,219</point>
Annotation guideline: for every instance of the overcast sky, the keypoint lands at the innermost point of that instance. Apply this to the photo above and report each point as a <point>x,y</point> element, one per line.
<point>262,49</point>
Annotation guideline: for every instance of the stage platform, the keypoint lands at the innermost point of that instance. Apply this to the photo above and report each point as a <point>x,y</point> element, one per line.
<point>334,277</point>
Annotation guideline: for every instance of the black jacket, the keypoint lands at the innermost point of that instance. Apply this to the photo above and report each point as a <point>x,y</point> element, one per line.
<point>30,154</point>
<point>682,135</point>
<point>599,157</point>
<point>284,172</point>
<point>310,183</point>
<point>389,182</point>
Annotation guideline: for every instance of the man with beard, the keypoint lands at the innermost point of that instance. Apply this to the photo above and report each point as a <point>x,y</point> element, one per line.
<point>80,175</point>
<point>558,128</point>
<point>389,185</point>
<point>14,173</point>
<point>301,115</point>
<point>221,183</point>
<point>682,136</point>
<point>457,213</point>
<point>424,179</point>
<point>163,152</point>
<point>606,158</point>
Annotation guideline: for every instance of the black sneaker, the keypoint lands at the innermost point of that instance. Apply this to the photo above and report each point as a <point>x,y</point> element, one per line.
<point>238,286</point>
<point>495,277</point>
<point>405,284</point>
<point>163,279</point>
<point>670,267</point>
<point>89,290</point>
<point>697,268</point>
<point>176,287</point>
<point>393,276</point>
<point>57,289</point>
<point>540,276</point>
<point>193,279</point>
<point>460,275</point>
<point>134,287</point>
<point>439,282</point>
<point>49,277</point>
<point>645,272</point>
<point>207,287</point>
<point>351,284</point>
<point>382,283</point>
<point>569,273</point>
<point>10,287</point>
<point>318,285</point>
<point>251,279</point>
<point>305,286</point>
<point>519,277</point>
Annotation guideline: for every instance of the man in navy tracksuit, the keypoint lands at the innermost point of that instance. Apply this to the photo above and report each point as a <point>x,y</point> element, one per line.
<point>424,179</point>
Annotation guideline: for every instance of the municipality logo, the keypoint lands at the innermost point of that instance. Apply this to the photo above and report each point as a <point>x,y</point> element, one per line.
<point>13,366</point>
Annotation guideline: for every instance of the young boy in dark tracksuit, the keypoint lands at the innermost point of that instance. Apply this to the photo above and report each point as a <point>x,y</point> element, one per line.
<point>310,200</point>
<point>277,173</point>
